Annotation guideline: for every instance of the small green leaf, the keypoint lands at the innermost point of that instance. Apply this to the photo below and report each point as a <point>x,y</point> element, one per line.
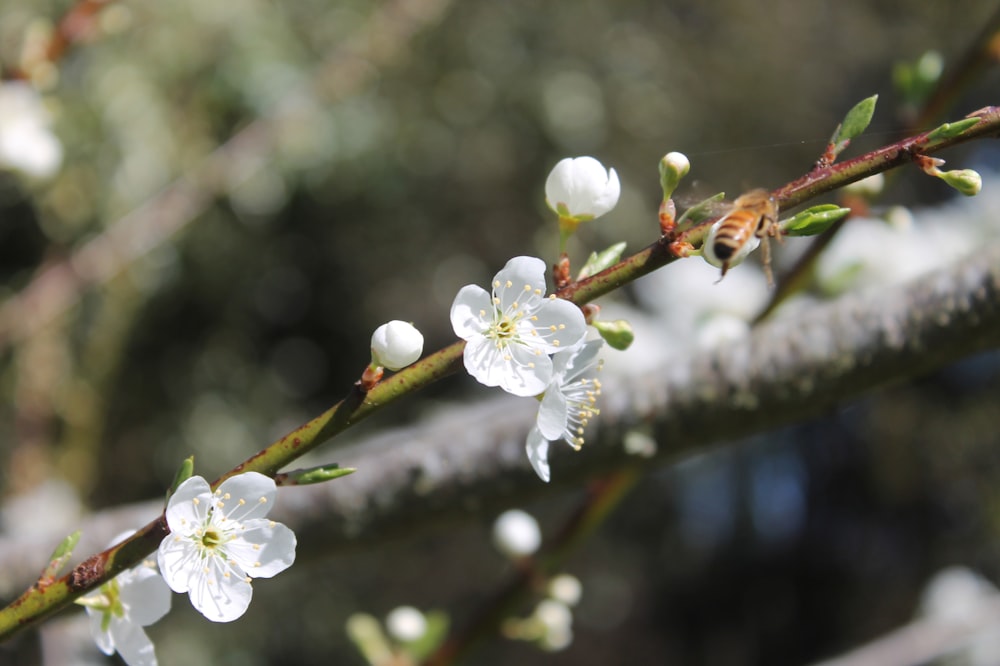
<point>702,210</point>
<point>65,548</point>
<point>855,122</point>
<point>60,556</point>
<point>618,334</point>
<point>184,473</point>
<point>948,130</point>
<point>305,477</point>
<point>597,262</point>
<point>815,220</point>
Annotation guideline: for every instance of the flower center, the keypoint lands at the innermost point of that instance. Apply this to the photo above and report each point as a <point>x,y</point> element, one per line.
<point>211,539</point>
<point>505,329</point>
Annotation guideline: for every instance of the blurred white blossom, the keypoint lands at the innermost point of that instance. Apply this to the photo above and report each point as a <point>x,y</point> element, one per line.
<point>566,589</point>
<point>120,608</point>
<point>406,624</point>
<point>27,143</point>
<point>516,533</point>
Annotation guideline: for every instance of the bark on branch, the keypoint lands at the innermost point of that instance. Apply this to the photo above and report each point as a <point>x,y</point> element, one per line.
<point>470,457</point>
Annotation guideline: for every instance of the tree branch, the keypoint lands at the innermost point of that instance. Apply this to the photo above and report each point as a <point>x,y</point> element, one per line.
<point>471,457</point>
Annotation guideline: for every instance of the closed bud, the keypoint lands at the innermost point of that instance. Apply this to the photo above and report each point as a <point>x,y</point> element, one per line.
<point>396,345</point>
<point>581,189</point>
<point>673,167</point>
<point>618,334</point>
<point>966,181</point>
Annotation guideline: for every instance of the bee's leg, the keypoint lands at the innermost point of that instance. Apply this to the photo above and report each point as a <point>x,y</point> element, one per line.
<point>765,257</point>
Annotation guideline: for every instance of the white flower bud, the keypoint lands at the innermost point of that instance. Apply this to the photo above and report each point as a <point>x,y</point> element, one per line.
<point>581,189</point>
<point>677,162</point>
<point>566,589</point>
<point>516,534</point>
<point>396,344</point>
<point>406,624</point>
<point>557,622</point>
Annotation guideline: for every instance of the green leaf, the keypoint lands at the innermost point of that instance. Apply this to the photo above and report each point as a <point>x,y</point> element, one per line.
<point>597,262</point>
<point>855,122</point>
<point>814,220</point>
<point>60,556</point>
<point>184,473</point>
<point>319,474</point>
<point>618,334</point>
<point>948,130</point>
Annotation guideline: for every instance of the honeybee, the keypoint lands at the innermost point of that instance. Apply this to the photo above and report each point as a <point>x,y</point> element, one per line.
<point>753,215</point>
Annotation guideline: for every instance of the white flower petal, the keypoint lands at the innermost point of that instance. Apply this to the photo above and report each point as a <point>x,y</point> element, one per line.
<point>560,325</point>
<point>521,281</point>
<point>265,548</point>
<point>132,643</point>
<point>179,563</point>
<point>146,597</point>
<point>570,365</point>
<point>183,513</point>
<point>484,361</point>
<point>471,312</point>
<point>246,496</point>
<point>538,454</point>
<point>221,594</point>
<point>524,371</point>
<point>552,414</point>
<point>105,643</point>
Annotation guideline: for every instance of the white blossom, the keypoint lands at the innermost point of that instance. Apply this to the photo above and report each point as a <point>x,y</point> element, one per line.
<point>568,404</point>
<point>516,533</point>
<point>396,344</point>
<point>581,188</point>
<point>556,622</point>
<point>26,142</point>
<point>406,623</point>
<point>120,608</point>
<point>566,589</point>
<point>220,540</point>
<point>511,332</point>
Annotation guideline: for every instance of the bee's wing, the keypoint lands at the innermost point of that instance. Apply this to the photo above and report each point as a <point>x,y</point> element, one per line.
<point>713,206</point>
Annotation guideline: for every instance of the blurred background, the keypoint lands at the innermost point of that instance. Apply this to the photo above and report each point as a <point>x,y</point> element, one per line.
<point>207,207</point>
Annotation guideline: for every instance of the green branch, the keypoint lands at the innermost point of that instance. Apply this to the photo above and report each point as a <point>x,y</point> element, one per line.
<point>45,598</point>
